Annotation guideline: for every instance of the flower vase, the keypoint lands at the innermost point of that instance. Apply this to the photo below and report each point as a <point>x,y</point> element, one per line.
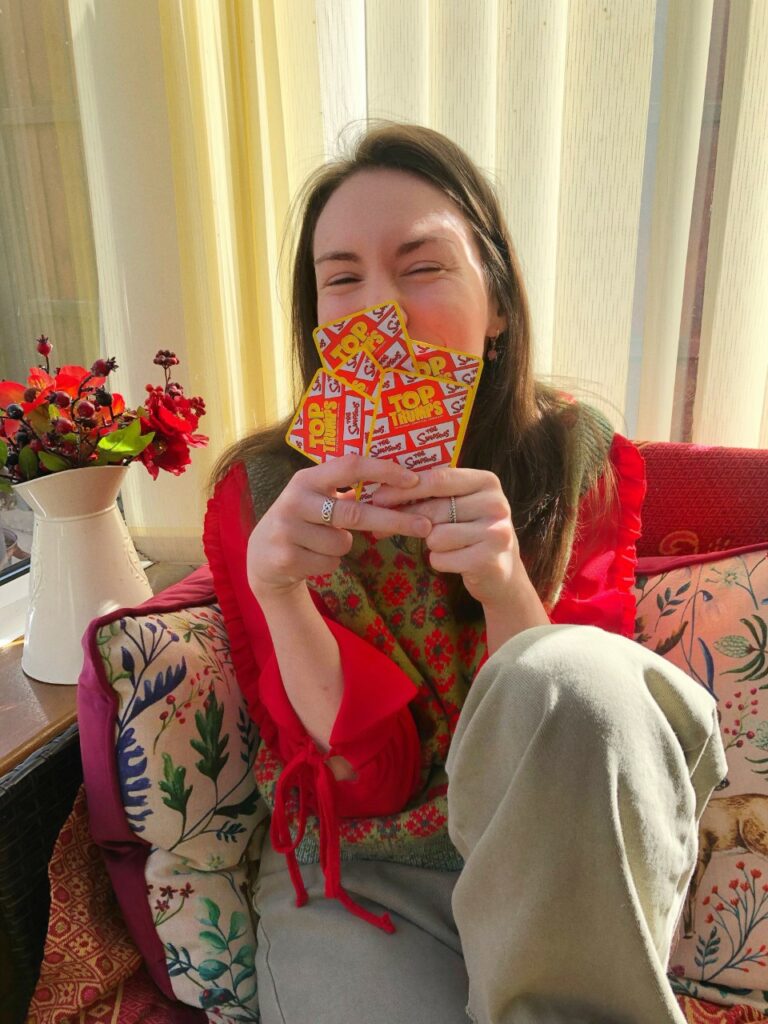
<point>83,565</point>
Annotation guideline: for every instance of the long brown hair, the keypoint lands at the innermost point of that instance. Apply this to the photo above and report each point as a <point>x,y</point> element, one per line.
<point>516,429</point>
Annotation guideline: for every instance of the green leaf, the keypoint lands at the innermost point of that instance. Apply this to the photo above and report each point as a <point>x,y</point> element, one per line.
<point>173,785</point>
<point>209,970</point>
<point>5,485</point>
<point>237,925</point>
<point>244,956</point>
<point>3,452</point>
<point>247,972</point>
<point>125,443</point>
<point>733,646</point>
<point>55,463</point>
<point>246,806</point>
<point>28,463</point>
<point>210,745</point>
<point>213,912</point>
<point>215,940</point>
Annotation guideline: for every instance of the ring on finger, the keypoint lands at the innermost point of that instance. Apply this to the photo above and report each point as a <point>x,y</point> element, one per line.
<point>452,517</point>
<point>326,513</point>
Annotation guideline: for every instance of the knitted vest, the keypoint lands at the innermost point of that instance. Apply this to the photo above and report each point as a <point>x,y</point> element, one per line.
<point>386,592</point>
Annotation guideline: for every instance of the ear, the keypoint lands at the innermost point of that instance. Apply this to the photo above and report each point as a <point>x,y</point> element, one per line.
<point>497,321</point>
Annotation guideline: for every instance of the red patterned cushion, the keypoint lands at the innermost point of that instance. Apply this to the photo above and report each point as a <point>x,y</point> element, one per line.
<point>703,498</point>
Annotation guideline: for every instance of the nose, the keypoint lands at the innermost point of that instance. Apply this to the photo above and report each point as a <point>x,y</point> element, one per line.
<point>381,289</point>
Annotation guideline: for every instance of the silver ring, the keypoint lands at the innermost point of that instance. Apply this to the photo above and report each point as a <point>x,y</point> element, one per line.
<point>326,513</point>
<point>452,512</point>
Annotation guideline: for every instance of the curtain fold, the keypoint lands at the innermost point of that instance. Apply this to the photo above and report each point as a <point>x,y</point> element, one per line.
<point>216,111</point>
<point>733,359</point>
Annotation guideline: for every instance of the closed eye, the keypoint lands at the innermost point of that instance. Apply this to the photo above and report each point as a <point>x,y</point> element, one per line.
<point>424,268</point>
<point>343,279</point>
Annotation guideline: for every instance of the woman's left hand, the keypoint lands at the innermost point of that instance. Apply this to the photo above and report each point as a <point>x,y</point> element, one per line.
<point>481,545</point>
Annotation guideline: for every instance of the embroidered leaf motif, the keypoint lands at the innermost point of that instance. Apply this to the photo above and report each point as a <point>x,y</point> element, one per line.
<point>230,831</point>
<point>211,745</point>
<point>246,806</point>
<point>244,956</point>
<point>164,683</point>
<point>172,785</point>
<point>733,646</point>
<point>666,645</point>
<point>209,970</point>
<point>131,765</point>
<point>214,940</point>
<point>708,663</point>
<point>178,960</point>
<point>213,912</point>
<point>237,926</point>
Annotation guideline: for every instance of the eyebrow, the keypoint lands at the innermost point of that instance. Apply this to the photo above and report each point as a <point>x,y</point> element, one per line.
<point>345,256</point>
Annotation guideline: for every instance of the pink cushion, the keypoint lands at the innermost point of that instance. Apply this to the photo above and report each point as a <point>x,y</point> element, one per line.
<point>709,616</point>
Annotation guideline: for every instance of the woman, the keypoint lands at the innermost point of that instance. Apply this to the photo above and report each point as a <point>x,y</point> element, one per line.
<point>521,829</point>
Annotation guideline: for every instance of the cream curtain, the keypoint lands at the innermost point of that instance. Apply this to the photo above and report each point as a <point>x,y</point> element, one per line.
<point>201,118</point>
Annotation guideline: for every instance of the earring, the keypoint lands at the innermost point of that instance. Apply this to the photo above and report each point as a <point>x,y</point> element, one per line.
<point>492,353</point>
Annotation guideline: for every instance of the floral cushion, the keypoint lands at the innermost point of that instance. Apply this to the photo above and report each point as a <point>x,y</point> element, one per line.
<point>184,748</point>
<point>709,615</point>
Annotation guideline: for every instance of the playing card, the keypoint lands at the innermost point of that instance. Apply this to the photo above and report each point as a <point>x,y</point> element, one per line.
<point>332,420</point>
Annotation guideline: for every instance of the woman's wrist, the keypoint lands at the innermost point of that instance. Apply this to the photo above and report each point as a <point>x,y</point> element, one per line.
<point>519,609</point>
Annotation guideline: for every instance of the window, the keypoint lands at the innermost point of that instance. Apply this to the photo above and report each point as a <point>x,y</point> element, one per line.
<point>49,282</point>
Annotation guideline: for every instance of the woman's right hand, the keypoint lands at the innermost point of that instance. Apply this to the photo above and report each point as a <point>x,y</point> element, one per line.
<point>290,541</point>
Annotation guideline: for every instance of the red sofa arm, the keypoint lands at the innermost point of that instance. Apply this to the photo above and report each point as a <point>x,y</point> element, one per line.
<point>703,498</point>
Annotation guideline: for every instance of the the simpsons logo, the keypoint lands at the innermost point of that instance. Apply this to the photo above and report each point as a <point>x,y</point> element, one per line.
<point>323,425</point>
<point>410,406</point>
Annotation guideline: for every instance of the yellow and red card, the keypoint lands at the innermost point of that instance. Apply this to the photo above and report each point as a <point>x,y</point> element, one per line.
<point>383,394</point>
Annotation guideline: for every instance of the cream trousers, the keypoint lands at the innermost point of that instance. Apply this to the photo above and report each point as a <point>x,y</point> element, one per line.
<point>578,772</point>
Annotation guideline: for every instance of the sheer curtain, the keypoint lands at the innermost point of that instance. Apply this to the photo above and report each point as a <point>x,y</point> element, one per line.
<point>201,118</point>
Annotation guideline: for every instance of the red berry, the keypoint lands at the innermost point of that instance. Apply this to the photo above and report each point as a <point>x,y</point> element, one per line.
<point>99,368</point>
<point>31,394</point>
<point>35,445</point>
<point>14,411</point>
<point>84,409</point>
<point>64,425</point>
<point>750,735</point>
<point>62,399</point>
<point>739,743</point>
<point>170,699</point>
<point>44,346</point>
<point>163,715</point>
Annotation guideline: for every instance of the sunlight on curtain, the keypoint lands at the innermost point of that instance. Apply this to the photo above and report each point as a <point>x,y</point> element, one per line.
<point>733,362</point>
<point>552,99</point>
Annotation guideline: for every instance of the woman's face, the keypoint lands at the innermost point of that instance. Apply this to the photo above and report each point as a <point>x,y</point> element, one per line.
<point>387,235</point>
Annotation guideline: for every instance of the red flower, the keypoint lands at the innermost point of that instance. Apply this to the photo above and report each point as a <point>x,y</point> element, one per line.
<point>709,919</point>
<point>735,901</point>
<point>356,830</point>
<point>468,640</point>
<point>439,612</point>
<point>438,649</point>
<point>720,906</point>
<point>173,418</point>
<point>425,821</point>
<point>378,635</point>
<point>756,873</point>
<point>396,588</point>
<point>352,602</point>
<point>740,865</point>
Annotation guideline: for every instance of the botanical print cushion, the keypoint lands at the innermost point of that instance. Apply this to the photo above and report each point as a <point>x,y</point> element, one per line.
<point>711,619</point>
<point>185,749</point>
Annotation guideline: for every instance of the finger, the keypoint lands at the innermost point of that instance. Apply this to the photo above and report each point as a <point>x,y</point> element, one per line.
<point>351,469</point>
<point>437,483</point>
<point>469,508</point>
<point>323,540</point>
<point>310,563</point>
<point>360,515</point>
<point>463,560</point>
<point>454,536</point>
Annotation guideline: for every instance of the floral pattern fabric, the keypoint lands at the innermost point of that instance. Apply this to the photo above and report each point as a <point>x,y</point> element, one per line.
<point>185,749</point>
<point>711,619</point>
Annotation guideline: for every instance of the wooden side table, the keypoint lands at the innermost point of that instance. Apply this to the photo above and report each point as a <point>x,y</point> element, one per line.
<point>40,773</point>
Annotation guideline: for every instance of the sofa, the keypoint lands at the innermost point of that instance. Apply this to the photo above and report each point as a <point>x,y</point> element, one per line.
<point>168,751</point>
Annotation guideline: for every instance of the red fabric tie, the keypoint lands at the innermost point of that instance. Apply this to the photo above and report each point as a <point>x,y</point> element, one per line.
<point>310,767</point>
